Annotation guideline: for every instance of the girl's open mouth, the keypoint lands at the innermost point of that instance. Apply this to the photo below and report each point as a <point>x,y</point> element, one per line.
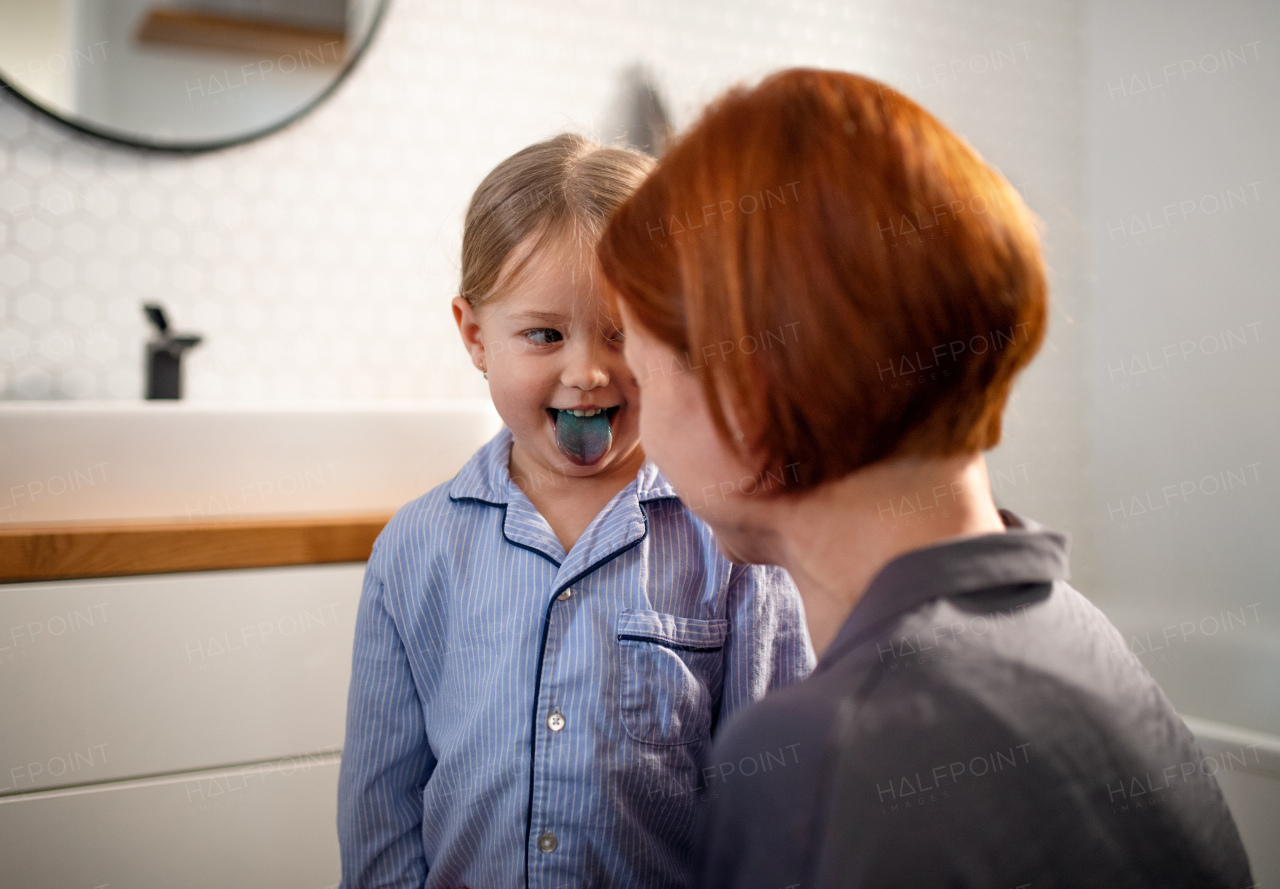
<point>584,436</point>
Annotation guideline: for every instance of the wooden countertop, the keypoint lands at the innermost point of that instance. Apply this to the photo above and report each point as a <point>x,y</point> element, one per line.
<point>65,551</point>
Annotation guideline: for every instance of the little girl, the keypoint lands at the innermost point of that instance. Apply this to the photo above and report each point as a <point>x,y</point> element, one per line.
<point>546,644</point>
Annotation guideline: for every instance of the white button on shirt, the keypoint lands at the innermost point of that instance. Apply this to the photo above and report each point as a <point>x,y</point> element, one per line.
<point>449,776</point>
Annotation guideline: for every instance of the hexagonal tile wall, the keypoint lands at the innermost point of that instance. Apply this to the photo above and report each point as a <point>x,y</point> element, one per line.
<point>319,262</point>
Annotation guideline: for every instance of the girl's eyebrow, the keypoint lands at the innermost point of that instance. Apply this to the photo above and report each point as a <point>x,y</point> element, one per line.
<point>542,317</point>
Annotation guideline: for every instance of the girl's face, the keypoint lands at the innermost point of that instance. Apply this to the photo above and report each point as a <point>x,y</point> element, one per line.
<point>550,346</point>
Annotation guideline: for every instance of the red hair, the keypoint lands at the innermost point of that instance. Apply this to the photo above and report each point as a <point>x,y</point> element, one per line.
<point>859,282</point>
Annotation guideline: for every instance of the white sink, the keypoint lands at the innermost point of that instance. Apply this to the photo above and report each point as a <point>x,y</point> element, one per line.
<point>200,461</point>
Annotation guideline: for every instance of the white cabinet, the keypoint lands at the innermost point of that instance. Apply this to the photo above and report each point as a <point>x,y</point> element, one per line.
<point>269,825</point>
<point>175,730</point>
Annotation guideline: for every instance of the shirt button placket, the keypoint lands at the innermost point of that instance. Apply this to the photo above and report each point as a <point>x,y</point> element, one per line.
<point>555,719</point>
<point>547,841</point>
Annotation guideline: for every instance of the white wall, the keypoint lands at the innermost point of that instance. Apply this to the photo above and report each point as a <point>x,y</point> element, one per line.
<point>1184,375</point>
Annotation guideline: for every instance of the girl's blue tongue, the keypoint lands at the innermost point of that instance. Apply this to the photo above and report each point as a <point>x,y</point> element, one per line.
<point>584,440</point>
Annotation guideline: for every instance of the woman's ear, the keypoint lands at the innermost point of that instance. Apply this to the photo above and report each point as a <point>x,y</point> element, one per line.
<point>743,441</point>
<point>469,329</point>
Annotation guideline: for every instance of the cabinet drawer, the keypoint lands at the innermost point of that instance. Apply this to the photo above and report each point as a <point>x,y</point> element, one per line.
<point>270,824</point>
<point>129,677</point>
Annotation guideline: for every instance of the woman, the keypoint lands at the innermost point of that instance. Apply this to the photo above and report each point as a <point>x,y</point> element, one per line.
<point>826,297</point>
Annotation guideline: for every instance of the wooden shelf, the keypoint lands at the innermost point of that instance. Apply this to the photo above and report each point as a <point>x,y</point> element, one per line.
<point>71,551</point>
<point>169,26</point>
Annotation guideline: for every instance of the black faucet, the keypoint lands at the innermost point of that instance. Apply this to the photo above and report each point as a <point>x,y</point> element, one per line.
<point>164,355</point>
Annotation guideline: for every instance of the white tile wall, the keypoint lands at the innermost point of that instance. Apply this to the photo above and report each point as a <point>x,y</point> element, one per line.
<point>319,261</point>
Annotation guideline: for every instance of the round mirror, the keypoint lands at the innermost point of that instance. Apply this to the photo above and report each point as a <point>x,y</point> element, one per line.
<point>184,75</point>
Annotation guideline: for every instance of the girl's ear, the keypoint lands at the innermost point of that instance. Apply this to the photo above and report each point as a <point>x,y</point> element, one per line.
<point>469,329</point>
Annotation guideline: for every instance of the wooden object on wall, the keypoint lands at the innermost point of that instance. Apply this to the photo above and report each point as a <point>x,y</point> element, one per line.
<point>170,26</point>
<point>64,552</point>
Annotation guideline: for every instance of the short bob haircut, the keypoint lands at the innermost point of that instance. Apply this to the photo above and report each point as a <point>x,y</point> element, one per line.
<point>839,267</point>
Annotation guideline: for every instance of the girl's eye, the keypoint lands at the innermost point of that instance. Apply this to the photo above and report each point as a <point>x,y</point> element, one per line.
<point>544,336</point>
<point>617,337</point>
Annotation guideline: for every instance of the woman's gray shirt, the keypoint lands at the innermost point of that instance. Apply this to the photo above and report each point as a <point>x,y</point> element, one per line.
<point>976,723</point>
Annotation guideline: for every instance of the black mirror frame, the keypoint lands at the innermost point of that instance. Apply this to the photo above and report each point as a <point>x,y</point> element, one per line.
<point>116,138</point>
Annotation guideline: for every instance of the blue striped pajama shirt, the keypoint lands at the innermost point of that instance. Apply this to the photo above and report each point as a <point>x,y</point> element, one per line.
<point>519,715</point>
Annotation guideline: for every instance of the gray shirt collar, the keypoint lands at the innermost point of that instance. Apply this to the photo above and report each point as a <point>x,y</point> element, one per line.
<point>1024,553</point>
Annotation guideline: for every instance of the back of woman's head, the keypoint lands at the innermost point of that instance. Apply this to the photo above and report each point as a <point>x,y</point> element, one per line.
<point>863,283</point>
<point>564,187</point>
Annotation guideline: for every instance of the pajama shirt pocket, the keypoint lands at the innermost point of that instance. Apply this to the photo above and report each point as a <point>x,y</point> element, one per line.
<point>668,666</point>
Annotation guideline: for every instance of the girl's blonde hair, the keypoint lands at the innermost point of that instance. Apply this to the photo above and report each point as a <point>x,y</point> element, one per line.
<point>567,185</point>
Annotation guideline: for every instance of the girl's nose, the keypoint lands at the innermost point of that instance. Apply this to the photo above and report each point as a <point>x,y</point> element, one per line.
<point>584,368</point>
